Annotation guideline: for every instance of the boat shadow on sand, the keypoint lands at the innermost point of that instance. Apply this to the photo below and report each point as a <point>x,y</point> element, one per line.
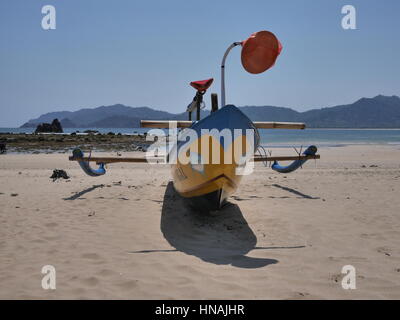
<point>224,238</point>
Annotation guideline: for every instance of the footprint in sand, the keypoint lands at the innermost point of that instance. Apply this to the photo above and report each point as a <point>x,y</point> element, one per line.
<point>336,277</point>
<point>303,294</point>
<point>51,225</point>
<point>78,291</point>
<point>91,256</point>
<point>106,273</point>
<point>384,250</point>
<point>37,241</point>
<point>91,281</point>
<point>128,285</point>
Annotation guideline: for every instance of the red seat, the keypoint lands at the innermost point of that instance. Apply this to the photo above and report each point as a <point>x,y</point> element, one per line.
<point>202,85</point>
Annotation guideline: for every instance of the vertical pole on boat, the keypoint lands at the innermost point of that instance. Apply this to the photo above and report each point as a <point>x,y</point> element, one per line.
<point>214,102</point>
<point>223,72</point>
<point>199,99</point>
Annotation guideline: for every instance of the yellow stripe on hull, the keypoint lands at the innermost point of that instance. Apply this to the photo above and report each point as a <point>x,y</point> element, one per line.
<point>193,180</point>
<point>190,183</point>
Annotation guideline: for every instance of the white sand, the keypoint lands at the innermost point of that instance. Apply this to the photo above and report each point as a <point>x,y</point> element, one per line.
<point>287,237</point>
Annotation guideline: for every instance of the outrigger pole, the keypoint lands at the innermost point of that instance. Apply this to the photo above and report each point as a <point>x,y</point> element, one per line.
<point>84,161</point>
<point>105,160</point>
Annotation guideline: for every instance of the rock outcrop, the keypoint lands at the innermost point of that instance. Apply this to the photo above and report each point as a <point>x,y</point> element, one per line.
<point>55,127</point>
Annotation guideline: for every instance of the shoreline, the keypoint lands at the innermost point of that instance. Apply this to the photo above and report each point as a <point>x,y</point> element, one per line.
<point>27,143</point>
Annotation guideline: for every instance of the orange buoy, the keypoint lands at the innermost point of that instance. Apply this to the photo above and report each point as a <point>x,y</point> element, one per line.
<point>259,51</point>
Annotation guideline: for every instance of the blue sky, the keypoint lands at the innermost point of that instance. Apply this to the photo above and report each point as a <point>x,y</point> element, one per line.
<point>144,53</point>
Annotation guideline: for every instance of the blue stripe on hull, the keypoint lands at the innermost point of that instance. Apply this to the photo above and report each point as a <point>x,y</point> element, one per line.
<point>228,117</point>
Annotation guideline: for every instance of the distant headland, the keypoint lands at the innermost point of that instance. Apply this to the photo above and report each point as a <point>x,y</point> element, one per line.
<point>377,112</point>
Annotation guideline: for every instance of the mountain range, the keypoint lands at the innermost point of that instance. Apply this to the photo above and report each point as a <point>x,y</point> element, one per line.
<point>378,112</point>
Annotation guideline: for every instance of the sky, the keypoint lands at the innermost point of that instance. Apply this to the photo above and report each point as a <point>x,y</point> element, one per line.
<point>145,53</point>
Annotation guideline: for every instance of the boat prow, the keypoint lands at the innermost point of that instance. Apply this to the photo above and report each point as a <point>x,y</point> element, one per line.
<point>211,175</point>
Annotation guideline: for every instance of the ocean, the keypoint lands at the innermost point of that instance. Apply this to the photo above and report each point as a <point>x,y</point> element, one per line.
<point>282,138</point>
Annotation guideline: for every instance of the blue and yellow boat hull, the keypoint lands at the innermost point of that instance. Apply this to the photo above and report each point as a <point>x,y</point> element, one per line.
<point>208,182</point>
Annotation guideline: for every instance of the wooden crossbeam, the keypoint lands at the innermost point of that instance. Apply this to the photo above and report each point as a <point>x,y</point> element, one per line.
<point>187,124</point>
<point>165,123</point>
<point>108,159</point>
<point>279,125</point>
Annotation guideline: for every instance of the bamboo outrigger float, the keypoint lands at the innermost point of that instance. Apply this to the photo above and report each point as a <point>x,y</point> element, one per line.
<point>207,174</point>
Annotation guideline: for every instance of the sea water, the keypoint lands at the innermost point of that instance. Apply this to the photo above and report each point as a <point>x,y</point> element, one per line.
<point>280,137</point>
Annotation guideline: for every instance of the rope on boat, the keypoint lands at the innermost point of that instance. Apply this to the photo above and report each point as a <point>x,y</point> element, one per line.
<point>265,154</point>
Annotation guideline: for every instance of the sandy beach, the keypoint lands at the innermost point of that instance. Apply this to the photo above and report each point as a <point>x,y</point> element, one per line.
<point>127,235</point>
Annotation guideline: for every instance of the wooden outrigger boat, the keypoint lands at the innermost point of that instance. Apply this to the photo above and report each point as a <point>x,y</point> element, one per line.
<point>208,168</point>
